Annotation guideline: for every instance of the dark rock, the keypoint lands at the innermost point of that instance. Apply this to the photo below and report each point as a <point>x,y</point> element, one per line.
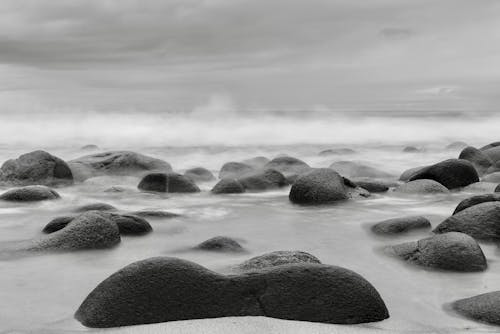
<point>422,187</point>
<point>57,224</point>
<point>373,186</point>
<point>401,225</point>
<point>452,173</point>
<point>37,167</point>
<point>410,149</point>
<point>257,162</point>
<point>288,166</point>
<point>407,174</point>
<point>116,163</point>
<point>155,214</point>
<point>474,200</point>
<point>263,180</point>
<point>492,145</point>
<point>480,221</point>
<point>457,145</point>
<point>319,186</point>
<point>199,174</point>
<point>228,186</point>
<point>168,182</point>
<point>449,251</point>
<point>336,151</point>
<point>96,207</point>
<point>233,170</point>
<point>493,177</point>
<point>497,189</point>
<point>220,244</point>
<point>89,147</point>
<point>355,169</point>
<point>478,159</point>
<point>277,258</point>
<point>181,290</point>
<point>130,224</point>
<point>483,308</point>
<point>29,194</point>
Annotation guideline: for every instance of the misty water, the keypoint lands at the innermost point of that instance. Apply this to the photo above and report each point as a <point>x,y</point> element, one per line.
<point>41,293</point>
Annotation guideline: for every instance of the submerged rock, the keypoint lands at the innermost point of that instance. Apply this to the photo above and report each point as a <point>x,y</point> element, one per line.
<point>410,149</point>
<point>474,200</point>
<point>319,186</point>
<point>373,186</point>
<point>89,147</point>
<point>180,290</point>
<point>234,170</point>
<point>477,157</point>
<point>288,166</point>
<point>353,169</point>
<point>482,308</point>
<point>401,225</point>
<point>168,182</point>
<point>452,173</point>
<point>199,174</point>
<point>493,153</point>
<point>96,207</point>
<point>256,162</point>
<point>263,180</point>
<point>337,151</point>
<point>36,168</point>
<point>450,251</point>
<point>155,214</point>
<point>422,187</point>
<point>220,244</point>
<point>57,224</point>
<point>277,258</point>
<point>228,186</point>
<point>29,194</point>
<point>492,177</point>
<point>456,145</point>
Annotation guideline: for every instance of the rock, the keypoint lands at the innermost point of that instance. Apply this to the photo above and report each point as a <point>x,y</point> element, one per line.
<point>180,290</point>
<point>199,174</point>
<point>457,145</point>
<point>228,186</point>
<point>407,174</point>
<point>263,180</point>
<point>90,230</point>
<point>422,187</point>
<point>319,186</point>
<point>483,308</point>
<point>257,162</point>
<point>220,244</point>
<point>233,170</point>
<point>373,186</point>
<point>492,145</point>
<point>493,153</point>
<point>168,182</point>
<point>115,189</point>
<point>130,224</point>
<point>288,166</point>
<point>474,200</point>
<point>57,224</point>
<point>116,163</point>
<point>452,173</point>
<point>336,151</point>
<point>29,194</point>
<point>277,258</point>
<point>449,251</point>
<point>401,225</point>
<point>410,149</point>
<point>478,159</point>
<point>155,214</point>
<point>493,177</point>
<point>353,169</point>
<point>96,207</point>
<point>36,168</point>
<point>480,221</point>
<point>89,147</point>
<point>497,189</point>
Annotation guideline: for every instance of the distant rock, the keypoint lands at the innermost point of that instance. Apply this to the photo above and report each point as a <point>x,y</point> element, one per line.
<point>263,180</point>
<point>373,186</point>
<point>29,194</point>
<point>474,200</point>
<point>155,214</point>
<point>36,168</point>
<point>483,308</point>
<point>401,225</point>
<point>450,251</point>
<point>353,169</point>
<point>256,162</point>
<point>220,244</point>
<point>337,151</point>
<point>452,173</point>
<point>168,182</point>
<point>422,187</point>
<point>234,170</point>
<point>410,149</point>
<point>116,163</point>
<point>95,206</point>
<point>457,145</point>
<point>181,290</point>
<point>478,159</point>
<point>228,186</point>
<point>277,258</point>
<point>89,147</point>
<point>319,186</point>
<point>288,166</point>
<point>199,174</point>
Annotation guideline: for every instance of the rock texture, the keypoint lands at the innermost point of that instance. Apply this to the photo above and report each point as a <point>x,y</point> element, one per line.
<point>234,170</point>
<point>401,225</point>
<point>277,258</point>
<point>422,187</point>
<point>228,186</point>
<point>477,157</point>
<point>220,244</point>
<point>354,169</point>
<point>474,200</point>
<point>29,194</point>
<point>319,186</point>
<point>483,308</point>
<point>168,182</point>
<point>452,173</point>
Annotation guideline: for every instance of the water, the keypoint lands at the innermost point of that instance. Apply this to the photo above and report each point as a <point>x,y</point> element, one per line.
<point>41,293</point>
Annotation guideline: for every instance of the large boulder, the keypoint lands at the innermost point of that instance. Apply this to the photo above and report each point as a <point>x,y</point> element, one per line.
<point>199,174</point>
<point>452,173</point>
<point>481,221</point>
<point>263,180</point>
<point>276,258</point>
<point>288,166</point>
<point>29,194</point>
<point>168,182</point>
<point>37,167</point>
<point>234,170</point>
<point>483,308</point>
<point>401,225</point>
<point>220,244</point>
<point>180,290</point>
<point>474,200</point>
<point>354,169</point>
<point>116,163</point>
<point>422,187</point>
<point>493,153</point>
<point>228,186</point>
<point>319,186</point>
<point>477,157</point>
<point>450,251</point>
<point>90,230</point>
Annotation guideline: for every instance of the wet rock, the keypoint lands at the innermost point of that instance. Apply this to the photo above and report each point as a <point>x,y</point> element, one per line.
<point>401,225</point>
<point>480,221</point>
<point>492,145</point>
<point>478,158</point>
<point>155,214</point>
<point>410,149</point>
<point>256,162</point>
<point>474,200</point>
<point>449,251</point>
<point>452,173</point>
<point>353,169</point>
<point>130,224</point>
<point>457,145</point>
<point>116,163</point>
<point>168,182</point>
<point>263,180</point>
<point>319,186</point>
<point>228,186</point>
<point>288,166</point>
<point>497,189</point>
<point>233,170</point>
<point>493,153</point>
<point>483,308</point>
<point>373,186</point>
<point>180,290</point>
<point>337,151</point>
<point>95,206</point>
<point>36,168</point>
<point>29,194</point>
<point>220,244</point>
<point>407,174</point>
<point>422,187</point>
<point>199,174</point>
<point>277,258</point>
<point>493,177</point>
<point>115,189</point>
<point>57,224</point>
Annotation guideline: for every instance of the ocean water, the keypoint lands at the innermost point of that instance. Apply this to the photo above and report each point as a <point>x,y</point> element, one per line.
<point>40,293</point>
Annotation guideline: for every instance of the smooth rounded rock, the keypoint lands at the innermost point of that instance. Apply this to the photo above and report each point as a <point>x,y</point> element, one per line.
<point>401,225</point>
<point>96,207</point>
<point>474,200</point>
<point>407,174</point>
<point>57,224</point>
<point>410,149</point>
<point>483,308</point>
<point>318,186</point>
<point>373,186</point>
<point>199,174</point>
<point>288,165</point>
<point>422,187</point>
<point>234,170</point>
<point>130,224</point>
<point>493,153</point>
<point>354,169</point>
<point>477,157</point>
<point>452,173</point>
<point>277,258</point>
<point>220,244</point>
<point>29,194</point>
<point>228,186</point>
<point>456,145</point>
<point>491,145</point>
<point>263,180</point>
<point>256,162</point>
<point>492,177</point>
<point>168,182</point>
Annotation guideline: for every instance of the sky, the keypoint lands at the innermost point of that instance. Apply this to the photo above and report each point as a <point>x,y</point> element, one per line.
<point>178,56</point>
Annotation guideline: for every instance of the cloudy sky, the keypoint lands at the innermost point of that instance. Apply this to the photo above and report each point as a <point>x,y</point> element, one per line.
<point>174,56</point>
